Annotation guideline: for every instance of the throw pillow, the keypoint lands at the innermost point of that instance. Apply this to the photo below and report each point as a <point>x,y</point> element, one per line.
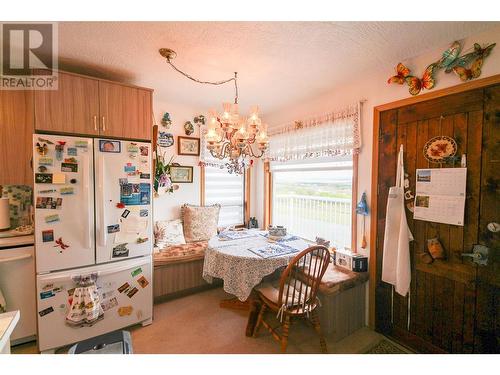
<point>200,223</point>
<point>168,233</point>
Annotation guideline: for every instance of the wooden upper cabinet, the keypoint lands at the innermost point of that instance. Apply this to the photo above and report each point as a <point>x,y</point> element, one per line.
<point>16,130</point>
<point>73,108</point>
<point>125,112</point>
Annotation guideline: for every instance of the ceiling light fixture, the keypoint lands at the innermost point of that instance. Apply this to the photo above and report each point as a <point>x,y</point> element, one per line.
<point>229,135</point>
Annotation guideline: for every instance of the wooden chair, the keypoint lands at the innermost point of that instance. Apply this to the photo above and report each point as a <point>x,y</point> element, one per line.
<point>297,294</point>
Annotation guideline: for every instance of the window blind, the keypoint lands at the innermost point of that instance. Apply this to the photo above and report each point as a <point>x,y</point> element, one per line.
<point>228,190</point>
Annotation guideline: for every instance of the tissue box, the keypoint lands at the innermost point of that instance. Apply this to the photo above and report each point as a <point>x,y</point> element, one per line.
<point>354,262</point>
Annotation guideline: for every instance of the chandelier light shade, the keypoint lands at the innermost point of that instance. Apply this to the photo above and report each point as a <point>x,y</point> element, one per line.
<point>230,136</point>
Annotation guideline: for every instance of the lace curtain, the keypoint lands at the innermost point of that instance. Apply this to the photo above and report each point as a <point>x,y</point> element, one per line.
<point>334,134</point>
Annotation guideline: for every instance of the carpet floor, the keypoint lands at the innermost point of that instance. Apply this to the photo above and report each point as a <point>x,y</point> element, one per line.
<point>197,325</point>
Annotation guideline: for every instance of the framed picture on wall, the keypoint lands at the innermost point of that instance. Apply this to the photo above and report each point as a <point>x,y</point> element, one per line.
<point>181,174</point>
<point>188,146</point>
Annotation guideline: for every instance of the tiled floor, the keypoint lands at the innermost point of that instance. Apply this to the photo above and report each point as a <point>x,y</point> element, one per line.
<point>196,324</point>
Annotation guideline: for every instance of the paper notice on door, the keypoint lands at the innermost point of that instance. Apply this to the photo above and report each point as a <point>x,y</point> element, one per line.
<point>440,195</point>
<point>132,228</point>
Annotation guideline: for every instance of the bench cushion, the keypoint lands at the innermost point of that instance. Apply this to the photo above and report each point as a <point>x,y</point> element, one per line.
<point>180,253</point>
<point>337,279</point>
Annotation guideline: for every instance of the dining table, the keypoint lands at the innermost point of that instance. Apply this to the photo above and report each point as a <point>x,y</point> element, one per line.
<point>241,259</point>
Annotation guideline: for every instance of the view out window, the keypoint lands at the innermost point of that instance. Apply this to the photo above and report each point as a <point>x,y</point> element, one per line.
<point>314,199</point>
<point>228,190</point>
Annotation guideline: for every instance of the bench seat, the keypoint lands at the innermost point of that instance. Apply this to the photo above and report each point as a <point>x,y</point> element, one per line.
<point>180,253</point>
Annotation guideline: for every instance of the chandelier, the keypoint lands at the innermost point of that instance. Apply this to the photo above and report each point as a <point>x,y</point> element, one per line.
<point>230,136</point>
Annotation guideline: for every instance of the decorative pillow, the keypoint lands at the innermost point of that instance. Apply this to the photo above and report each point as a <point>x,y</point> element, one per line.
<point>200,223</point>
<point>168,233</point>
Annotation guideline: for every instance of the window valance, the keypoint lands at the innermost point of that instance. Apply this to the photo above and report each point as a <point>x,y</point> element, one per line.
<point>334,134</point>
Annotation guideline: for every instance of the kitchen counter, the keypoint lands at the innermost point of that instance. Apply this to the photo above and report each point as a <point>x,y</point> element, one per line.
<point>8,322</point>
<point>17,241</point>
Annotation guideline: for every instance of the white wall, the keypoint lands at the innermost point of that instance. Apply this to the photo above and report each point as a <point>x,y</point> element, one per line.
<point>373,87</point>
<point>167,206</point>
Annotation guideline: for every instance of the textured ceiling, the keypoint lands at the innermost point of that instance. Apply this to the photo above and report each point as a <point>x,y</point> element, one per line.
<point>278,63</point>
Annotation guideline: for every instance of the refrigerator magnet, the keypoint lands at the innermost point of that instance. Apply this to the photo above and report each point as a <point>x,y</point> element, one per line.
<point>52,218</point>
<point>122,288</point>
<point>144,150</point>
<point>47,294</point>
<point>120,251</point>
<point>48,141</point>
<point>143,282</point>
<point>60,150</point>
<point>109,304</point>
<point>125,310</point>
<point>67,190</point>
<point>106,145</point>
<point>142,240</point>
<point>69,167</point>
<point>42,169</point>
<point>46,311</point>
<point>132,148</point>
<point>48,235</point>
<point>43,178</point>
<point>42,149</point>
<point>145,176</point>
<point>129,168</point>
<point>113,228</point>
<point>46,161</point>
<point>125,213</point>
<point>143,213</point>
<point>59,178</point>
<point>120,205</point>
<point>60,243</point>
<point>132,292</point>
<point>136,272</point>
<point>72,151</point>
<point>81,144</point>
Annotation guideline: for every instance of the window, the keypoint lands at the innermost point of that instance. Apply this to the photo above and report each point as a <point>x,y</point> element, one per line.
<point>228,190</point>
<point>314,199</point>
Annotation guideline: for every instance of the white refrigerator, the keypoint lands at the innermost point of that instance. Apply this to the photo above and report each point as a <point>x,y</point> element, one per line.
<point>93,215</point>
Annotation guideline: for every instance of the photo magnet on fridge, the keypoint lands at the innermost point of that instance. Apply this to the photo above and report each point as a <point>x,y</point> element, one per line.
<point>72,151</point>
<point>125,213</point>
<point>52,218</point>
<point>45,161</point>
<point>120,251</point>
<point>143,213</point>
<point>46,294</point>
<point>48,235</point>
<point>69,167</point>
<point>144,150</point>
<point>145,176</point>
<point>106,145</point>
<point>113,228</point>
<point>67,190</point>
<point>43,178</point>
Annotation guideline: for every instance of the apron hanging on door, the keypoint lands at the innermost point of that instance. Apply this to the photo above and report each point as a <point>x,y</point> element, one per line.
<point>396,269</point>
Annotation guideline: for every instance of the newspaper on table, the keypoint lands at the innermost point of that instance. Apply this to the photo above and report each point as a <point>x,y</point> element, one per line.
<point>235,235</point>
<point>440,195</point>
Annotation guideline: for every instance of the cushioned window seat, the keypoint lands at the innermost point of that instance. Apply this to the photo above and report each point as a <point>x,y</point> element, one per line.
<point>178,271</point>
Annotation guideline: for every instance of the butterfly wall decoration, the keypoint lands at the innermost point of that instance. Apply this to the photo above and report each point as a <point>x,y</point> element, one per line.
<point>467,67</point>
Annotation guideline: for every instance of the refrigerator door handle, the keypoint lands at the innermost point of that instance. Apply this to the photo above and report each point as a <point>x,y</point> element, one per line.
<point>86,189</point>
<point>13,259</point>
<point>101,208</point>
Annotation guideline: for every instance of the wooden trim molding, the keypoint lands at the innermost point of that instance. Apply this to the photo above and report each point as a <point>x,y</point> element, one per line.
<point>248,191</point>
<point>472,85</point>
<point>202,185</point>
<point>267,194</point>
<point>354,201</point>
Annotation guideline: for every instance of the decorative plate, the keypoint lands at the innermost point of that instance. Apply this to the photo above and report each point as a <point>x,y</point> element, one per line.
<point>437,149</point>
<point>165,139</point>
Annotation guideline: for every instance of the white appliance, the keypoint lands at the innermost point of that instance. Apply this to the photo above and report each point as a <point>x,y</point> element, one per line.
<point>93,214</point>
<point>17,273</point>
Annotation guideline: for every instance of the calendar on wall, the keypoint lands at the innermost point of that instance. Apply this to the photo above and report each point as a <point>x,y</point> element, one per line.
<point>440,195</point>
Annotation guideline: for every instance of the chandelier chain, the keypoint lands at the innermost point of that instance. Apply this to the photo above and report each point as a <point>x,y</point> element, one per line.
<point>215,83</point>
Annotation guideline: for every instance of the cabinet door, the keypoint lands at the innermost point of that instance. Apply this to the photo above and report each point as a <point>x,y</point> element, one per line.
<point>73,108</point>
<point>122,112</point>
<point>16,125</point>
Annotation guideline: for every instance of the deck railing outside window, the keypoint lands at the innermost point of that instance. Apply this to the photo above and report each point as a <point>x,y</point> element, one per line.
<point>309,216</point>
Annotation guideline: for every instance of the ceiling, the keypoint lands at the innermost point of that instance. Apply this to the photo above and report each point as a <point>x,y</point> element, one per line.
<point>278,63</point>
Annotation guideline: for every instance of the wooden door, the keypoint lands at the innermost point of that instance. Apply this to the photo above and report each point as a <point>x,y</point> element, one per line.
<point>72,109</point>
<point>16,130</point>
<point>124,112</point>
<point>449,299</point>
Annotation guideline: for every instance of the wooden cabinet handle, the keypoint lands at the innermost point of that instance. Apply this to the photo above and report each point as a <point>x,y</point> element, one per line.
<point>95,123</point>
<point>103,124</point>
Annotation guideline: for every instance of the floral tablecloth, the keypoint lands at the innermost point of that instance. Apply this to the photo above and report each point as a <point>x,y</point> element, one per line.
<point>239,268</point>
